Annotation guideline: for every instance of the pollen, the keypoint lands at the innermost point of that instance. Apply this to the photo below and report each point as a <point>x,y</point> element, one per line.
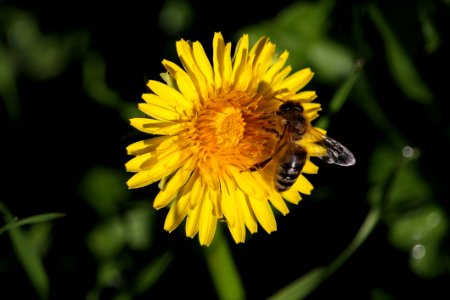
<point>229,126</point>
<point>230,131</point>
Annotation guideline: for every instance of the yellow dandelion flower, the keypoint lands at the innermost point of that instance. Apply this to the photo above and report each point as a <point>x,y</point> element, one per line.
<point>216,131</point>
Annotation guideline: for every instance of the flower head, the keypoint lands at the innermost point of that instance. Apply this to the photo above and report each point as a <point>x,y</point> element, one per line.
<point>211,123</point>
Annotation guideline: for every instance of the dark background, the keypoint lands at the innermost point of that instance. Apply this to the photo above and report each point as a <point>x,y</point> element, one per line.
<point>58,132</point>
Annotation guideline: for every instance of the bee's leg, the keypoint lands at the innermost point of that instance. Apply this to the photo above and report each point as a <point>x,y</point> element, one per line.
<point>260,165</point>
<point>263,163</point>
<point>272,130</point>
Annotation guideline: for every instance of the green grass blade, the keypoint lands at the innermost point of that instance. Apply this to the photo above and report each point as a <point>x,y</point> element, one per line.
<point>222,268</point>
<point>306,284</point>
<point>301,287</point>
<point>31,262</point>
<point>402,68</point>
<point>8,86</point>
<point>28,255</point>
<point>341,95</point>
<point>151,273</point>
<point>374,111</point>
<point>31,220</point>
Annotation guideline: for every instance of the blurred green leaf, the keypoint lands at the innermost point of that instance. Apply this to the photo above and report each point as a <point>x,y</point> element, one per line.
<point>409,188</point>
<point>94,81</point>
<point>402,68</point>
<point>175,16</point>
<point>340,96</point>
<point>430,33</point>
<point>365,98</point>
<point>423,225</point>
<point>309,20</point>
<point>104,188</point>
<point>147,278</point>
<point>302,29</point>
<point>138,223</point>
<point>40,237</point>
<point>8,86</point>
<point>31,262</point>
<point>31,220</point>
<point>303,286</point>
<point>421,232</point>
<point>330,60</point>
<point>107,239</point>
<point>416,223</point>
<point>28,257</point>
<point>222,268</point>
<point>427,261</point>
<point>108,275</point>
<point>41,55</point>
<point>379,294</point>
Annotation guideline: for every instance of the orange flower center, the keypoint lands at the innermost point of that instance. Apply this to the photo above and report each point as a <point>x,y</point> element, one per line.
<point>229,131</point>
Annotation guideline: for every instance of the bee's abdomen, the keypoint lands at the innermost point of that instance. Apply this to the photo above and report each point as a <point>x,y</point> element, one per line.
<point>291,165</point>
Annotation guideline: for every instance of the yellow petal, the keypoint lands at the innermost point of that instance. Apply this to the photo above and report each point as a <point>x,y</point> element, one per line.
<point>275,68</point>
<point>167,93</point>
<point>249,217</point>
<point>264,214</point>
<point>262,55</point>
<point>278,202</point>
<point>157,100</point>
<point>292,196</point>
<point>304,96</point>
<point>197,192</point>
<point>158,127</point>
<point>221,62</point>
<point>135,164</point>
<point>310,168</point>
<point>240,63</point>
<point>178,211</point>
<point>184,82</point>
<point>212,180</point>
<point>194,215</point>
<point>303,185</point>
<point>237,229</point>
<point>149,145</point>
<point>203,63</point>
<point>185,54</point>
<point>228,196</point>
<point>296,81</point>
<point>311,110</point>
<point>158,112</point>
<point>250,183</point>
<point>172,187</point>
<point>207,223</point>
<point>160,169</point>
<point>278,79</point>
<point>215,198</point>
<point>218,53</point>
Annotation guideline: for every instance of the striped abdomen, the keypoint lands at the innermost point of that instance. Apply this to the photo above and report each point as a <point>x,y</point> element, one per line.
<point>290,166</point>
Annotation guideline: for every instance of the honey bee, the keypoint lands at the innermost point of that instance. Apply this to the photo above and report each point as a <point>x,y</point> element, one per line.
<point>291,156</point>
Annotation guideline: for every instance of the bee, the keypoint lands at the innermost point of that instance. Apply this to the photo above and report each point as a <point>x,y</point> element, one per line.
<point>291,156</point>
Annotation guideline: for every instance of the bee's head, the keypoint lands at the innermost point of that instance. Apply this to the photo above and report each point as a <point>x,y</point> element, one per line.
<point>290,106</point>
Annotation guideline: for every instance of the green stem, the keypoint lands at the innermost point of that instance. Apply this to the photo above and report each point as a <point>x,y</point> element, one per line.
<point>306,284</point>
<point>222,268</point>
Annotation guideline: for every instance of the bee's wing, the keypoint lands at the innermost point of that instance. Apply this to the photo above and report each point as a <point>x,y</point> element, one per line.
<point>335,153</point>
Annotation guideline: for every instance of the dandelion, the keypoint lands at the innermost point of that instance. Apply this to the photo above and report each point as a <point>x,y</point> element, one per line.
<point>211,122</point>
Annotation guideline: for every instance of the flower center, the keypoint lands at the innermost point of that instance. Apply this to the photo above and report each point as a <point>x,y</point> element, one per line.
<point>229,131</point>
<point>229,126</point>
